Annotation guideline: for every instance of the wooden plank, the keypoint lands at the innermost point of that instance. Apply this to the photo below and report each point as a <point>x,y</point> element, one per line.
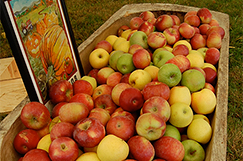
<point>8,69</point>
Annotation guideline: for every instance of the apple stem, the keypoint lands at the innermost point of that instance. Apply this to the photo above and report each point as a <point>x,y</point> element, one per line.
<point>192,152</point>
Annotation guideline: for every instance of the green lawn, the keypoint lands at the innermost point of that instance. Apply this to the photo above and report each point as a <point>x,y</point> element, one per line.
<point>88,16</point>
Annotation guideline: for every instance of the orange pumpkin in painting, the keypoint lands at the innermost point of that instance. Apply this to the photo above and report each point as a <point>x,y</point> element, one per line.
<point>32,43</point>
<point>51,19</point>
<point>54,51</point>
<point>41,27</point>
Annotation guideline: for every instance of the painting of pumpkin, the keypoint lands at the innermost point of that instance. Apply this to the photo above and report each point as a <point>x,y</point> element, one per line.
<point>32,43</point>
<point>51,19</point>
<point>54,51</point>
<point>41,27</point>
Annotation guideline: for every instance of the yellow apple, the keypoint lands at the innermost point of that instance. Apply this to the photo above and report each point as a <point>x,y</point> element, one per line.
<point>203,101</point>
<point>118,41</point>
<point>168,48</point>
<point>99,58</point>
<point>196,59</point>
<point>44,143</point>
<point>184,42</point>
<point>181,115</point>
<point>126,33</point>
<point>88,156</point>
<point>139,78</point>
<point>91,80</point>
<point>201,116</point>
<point>123,46</point>
<point>111,39</point>
<point>200,131</point>
<point>180,94</point>
<point>152,70</point>
<point>205,65</point>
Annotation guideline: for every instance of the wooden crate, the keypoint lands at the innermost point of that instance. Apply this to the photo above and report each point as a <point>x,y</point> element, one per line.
<point>216,149</point>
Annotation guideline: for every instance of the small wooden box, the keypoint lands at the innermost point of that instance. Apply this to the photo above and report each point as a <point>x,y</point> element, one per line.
<point>216,149</point>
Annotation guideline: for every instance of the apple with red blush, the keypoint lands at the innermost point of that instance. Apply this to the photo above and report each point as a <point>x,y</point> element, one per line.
<point>60,91</point>
<point>121,112</point>
<point>63,148</point>
<point>113,79</point>
<point>26,140</point>
<point>121,126</point>
<point>156,88</point>
<point>45,130</point>
<point>157,105</point>
<point>83,98</point>
<point>141,58</point>
<point>36,154</point>
<point>125,78</point>
<point>117,90</point>
<point>209,86</point>
<point>172,35</point>
<point>176,20</point>
<point>212,56</point>
<point>197,41</point>
<point>181,61</point>
<point>101,114</point>
<point>56,108</point>
<point>105,102</point>
<point>82,86</point>
<point>189,13</point>
<point>134,48</point>
<point>88,132</point>
<point>163,22</point>
<point>156,40</point>
<point>211,75</point>
<point>146,27</point>
<point>122,29</point>
<point>152,21</point>
<point>204,28</point>
<point>100,90</point>
<point>93,73</point>
<point>35,115</point>
<point>214,22</point>
<point>169,148</point>
<point>135,23</point>
<point>214,40</point>
<point>180,49</point>
<point>186,30</point>
<point>192,20</point>
<point>147,15</point>
<point>62,129</point>
<point>141,148</point>
<point>103,74</point>
<point>217,29</point>
<point>104,45</point>
<point>131,99</point>
<point>205,15</point>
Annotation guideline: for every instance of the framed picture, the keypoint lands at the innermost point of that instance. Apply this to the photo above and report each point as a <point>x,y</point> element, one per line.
<point>41,39</point>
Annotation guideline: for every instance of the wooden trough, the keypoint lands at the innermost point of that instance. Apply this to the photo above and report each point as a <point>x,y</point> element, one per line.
<point>215,150</point>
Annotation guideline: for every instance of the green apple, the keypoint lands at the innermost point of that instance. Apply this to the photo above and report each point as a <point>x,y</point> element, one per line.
<point>193,150</point>
<point>125,63</point>
<point>113,58</point>
<point>172,131</point>
<point>169,74</point>
<point>193,79</point>
<point>140,38</point>
<point>139,78</point>
<point>181,115</point>
<point>161,57</point>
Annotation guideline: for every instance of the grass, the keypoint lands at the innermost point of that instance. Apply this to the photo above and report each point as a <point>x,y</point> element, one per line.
<point>86,16</point>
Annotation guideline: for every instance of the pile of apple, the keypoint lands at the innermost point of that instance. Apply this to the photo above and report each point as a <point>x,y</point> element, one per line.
<point>152,86</point>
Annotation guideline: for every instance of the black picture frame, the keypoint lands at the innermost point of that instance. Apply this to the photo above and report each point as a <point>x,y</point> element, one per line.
<point>27,58</point>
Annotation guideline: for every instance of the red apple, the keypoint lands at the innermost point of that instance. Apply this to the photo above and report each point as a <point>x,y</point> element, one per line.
<point>82,86</point>
<point>150,126</point>
<point>114,79</point>
<point>125,78</point>
<point>100,90</point>
<point>210,75</point>
<point>88,132</point>
<point>181,61</point>
<point>104,45</point>
<point>205,15</point>
<point>105,102</point>
<point>180,49</point>
<point>204,28</point>
<point>158,106</point>
<point>197,31</point>
<point>101,114</point>
<point>60,91</point>
<point>156,88</point>
<point>35,115</point>
<point>56,108</point>
<point>121,112</point>
<point>212,56</point>
<point>152,21</point>
<point>163,22</point>
<point>36,154</point>
<point>146,15</point>
<point>214,22</point>
<point>193,12</point>
<point>131,99</point>
<point>135,22</point>
<point>122,29</point>
<point>141,58</point>
<point>169,148</point>
<point>26,140</point>
<point>121,126</point>
<point>83,98</point>
<point>172,35</point>
<point>198,41</point>
<point>93,73</point>
<point>103,74</point>
<point>146,27</point>
<point>63,148</point>
<point>134,48</point>
<point>62,129</point>
<point>156,40</point>
<point>45,130</point>
<point>186,30</point>
<point>209,86</point>
<point>176,19</point>
<point>214,40</point>
<point>73,112</point>
<point>217,29</point>
<point>141,148</point>
<point>117,90</point>
<point>192,20</point>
